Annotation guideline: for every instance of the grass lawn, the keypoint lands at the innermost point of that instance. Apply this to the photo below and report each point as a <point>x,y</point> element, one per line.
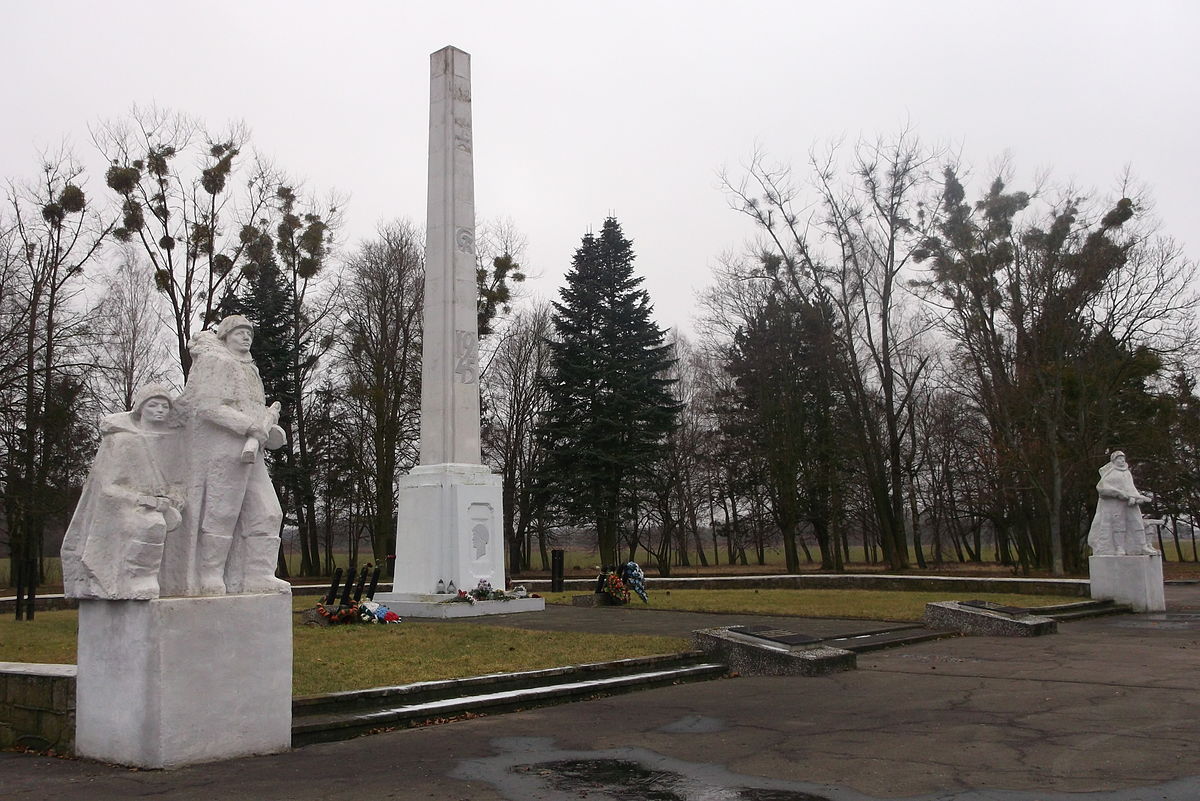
<point>354,657</point>
<point>357,657</point>
<point>868,604</point>
<point>49,638</point>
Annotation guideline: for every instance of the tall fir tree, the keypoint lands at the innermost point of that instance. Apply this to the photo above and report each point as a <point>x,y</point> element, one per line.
<point>610,406</point>
<point>785,406</point>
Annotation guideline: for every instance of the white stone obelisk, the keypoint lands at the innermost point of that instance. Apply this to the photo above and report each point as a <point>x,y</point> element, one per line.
<point>449,520</point>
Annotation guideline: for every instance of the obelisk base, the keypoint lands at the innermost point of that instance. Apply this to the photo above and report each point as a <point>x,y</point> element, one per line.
<point>450,532</point>
<point>176,681</point>
<point>1133,580</point>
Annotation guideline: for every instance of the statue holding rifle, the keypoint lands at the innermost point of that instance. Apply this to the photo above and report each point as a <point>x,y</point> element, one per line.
<point>232,507</point>
<point>202,517</point>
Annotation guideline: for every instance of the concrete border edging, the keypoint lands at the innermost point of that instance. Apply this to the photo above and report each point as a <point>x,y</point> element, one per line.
<point>751,656</point>
<point>849,581</point>
<point>37,706</point>
<point>953,616</point>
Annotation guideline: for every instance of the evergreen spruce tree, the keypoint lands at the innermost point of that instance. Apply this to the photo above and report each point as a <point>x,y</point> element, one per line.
<point>610,406</point>
<point>785,408</point>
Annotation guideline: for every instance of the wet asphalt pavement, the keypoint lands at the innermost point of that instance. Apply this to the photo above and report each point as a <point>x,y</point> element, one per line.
<point>1106,710</point>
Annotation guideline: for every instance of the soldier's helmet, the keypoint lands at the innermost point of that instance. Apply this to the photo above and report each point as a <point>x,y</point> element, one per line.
<point>232,322</point>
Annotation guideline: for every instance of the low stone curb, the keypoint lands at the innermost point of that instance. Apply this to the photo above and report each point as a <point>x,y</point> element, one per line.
<point>953,616</point>
<point>847,581</point>
<point>752,656</point>
<point>340,716</point>
<point>37,706</point>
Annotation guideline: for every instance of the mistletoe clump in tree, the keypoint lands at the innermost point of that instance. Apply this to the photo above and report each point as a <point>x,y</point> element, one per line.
<point>610,405</point>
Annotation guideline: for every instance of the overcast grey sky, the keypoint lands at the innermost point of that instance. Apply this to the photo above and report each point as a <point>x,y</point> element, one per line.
<point>629,108</point>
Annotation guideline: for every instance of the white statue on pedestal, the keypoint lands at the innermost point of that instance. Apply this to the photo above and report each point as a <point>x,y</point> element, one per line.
<point>113,547</point>
<point>1117,529</point>
<point>233,515</point>
<point>184,508</point>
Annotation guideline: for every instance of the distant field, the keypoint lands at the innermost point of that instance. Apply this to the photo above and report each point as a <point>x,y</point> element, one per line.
<point>585,562</point>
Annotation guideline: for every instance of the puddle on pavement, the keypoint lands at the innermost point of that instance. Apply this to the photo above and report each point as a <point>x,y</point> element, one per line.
<point>530,768</point>
<point>694,724</point>
<point>622,778</point>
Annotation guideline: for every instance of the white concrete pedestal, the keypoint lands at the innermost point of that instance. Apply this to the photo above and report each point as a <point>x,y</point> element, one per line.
<point>435,606</point>
<point>175,681</point>
<point>1133,580</point>
<point>449,530</point>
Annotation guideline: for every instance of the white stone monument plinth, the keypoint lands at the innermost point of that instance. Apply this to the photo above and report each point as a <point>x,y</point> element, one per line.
<point>450,513</point>
<point>1133,580</point>
<point>463,503</point>
<point>176,681</point>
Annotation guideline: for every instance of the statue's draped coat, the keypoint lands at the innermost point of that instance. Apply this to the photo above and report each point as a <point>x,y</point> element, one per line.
<point>109,521</point>
<point>1117,525</point>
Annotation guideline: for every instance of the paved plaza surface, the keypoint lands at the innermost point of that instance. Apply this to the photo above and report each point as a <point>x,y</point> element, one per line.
<point>1106,710</point>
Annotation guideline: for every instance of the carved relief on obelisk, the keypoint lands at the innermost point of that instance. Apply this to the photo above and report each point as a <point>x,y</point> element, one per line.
<point>449,368</point>
<point>450,505</point>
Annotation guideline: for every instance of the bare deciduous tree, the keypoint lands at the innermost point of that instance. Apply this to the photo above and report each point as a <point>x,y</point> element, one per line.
<point>847,241</point>
<point>379,351</point>
<point>130,347</point>
<point>185,199</point>
<point>53,235</point>
<point>514,393</point>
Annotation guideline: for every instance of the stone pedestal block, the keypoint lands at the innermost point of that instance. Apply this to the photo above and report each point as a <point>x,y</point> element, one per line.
<point>434,606</point>
<point>751,656</point>
<point>450,530</point>
<point>954,616</point>
<point>176,681</point>
<point>1133,580</point>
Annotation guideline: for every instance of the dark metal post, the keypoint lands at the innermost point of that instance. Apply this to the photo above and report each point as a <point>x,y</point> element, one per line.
<point>349,586</point>
<point>362,579</point>
<point>557,584</point>
<point>374,583</point>
<point>333,587</point>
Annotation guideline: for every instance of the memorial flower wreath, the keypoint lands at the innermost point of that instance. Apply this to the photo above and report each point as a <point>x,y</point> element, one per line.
<point>338,614</point>
<point>482,592</point>
<point>614,587</point>
<point>357,612</point>
<point>617,583</point>
<point>635,578</point>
